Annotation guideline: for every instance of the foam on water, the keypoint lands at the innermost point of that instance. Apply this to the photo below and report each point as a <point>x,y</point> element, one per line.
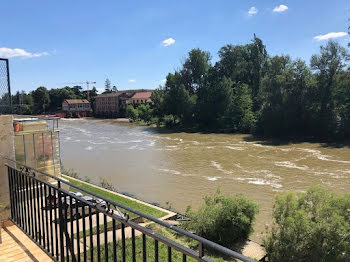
<point>235,148</point>
<point>89,148</point>
<point>212,178</point>
<point>289,164</point>
<point>220,168</point>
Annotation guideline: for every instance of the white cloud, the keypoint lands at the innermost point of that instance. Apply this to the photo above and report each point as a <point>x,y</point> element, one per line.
<point>330,36</point>
<point>132,80</point>
<point>253,11</point>
<point>17,52</point>
<point>280,8</point>
<point>168,41</point>
<point>164,80</point>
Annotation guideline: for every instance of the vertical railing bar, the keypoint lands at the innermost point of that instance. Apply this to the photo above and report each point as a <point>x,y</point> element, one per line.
<point>133,244</point>
<point>53,158</point>
<point>19,186</point>
<point>105,236</point>
<point>34,208</point>
<point>144,251</point>
<point>201,250</point>
<point>156,251</point>
<point>60,217</point>
<point>34,150</point>
<point>91,236</point>
<point>24,219</point>
<point>123,243</point>
<point>55,223</point>
<point>77,215</point>
<point>169,253</point>
<point>47,218</point>
<point>184,258</point>
<point>38,210</point>
<point>84,231</point>
<point>114,241</point>
<point>51,226</point>
<point>98,236</point>
<point>24,150</point>
<point>16,202</point>
<point>9,174</point>
<point>31,205</point>
<point>71,225</point>
<point>42,138</point>
<point>66,226</point>
<point>42,214</point>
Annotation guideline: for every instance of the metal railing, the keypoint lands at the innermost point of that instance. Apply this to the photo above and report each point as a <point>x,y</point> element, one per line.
<point>67,225</point>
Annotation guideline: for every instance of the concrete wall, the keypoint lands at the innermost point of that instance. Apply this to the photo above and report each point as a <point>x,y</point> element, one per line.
<point>6,149</point>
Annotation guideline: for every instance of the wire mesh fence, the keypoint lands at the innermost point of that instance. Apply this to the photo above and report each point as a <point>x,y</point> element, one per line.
<point>5,89</point>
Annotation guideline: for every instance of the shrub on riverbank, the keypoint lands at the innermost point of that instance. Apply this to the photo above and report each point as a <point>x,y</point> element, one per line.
<point>225,220</point>
<point>311,226</point>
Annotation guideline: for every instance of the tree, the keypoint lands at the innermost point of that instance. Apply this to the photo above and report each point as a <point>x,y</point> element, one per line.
<point>145,113</point>
<point>107,86</point>
<point>327,65</point>
<point>41,100</point>
<point>177,99</point>
<point>132,113</point>
<point>243,119</point>
<point>225,220</point>
<point>311,226</point>
<point>214,101</point>
<point>195,68</point>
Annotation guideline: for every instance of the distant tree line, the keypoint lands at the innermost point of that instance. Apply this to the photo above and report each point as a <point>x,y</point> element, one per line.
<point>44,101</point>
<point>249,91</point>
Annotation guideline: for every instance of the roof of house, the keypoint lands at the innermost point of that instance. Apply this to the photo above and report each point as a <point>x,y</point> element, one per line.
<point>142,95</point>
<point>121,92</point>
<point>77,101</point>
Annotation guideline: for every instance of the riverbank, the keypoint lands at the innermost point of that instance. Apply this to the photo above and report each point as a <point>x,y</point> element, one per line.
<point>130,202</point>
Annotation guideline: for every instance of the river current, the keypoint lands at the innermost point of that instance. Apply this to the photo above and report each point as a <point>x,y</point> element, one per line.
<point>179,169</point>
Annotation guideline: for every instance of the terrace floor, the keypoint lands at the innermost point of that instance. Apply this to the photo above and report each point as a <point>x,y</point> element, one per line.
<point>17,246</point>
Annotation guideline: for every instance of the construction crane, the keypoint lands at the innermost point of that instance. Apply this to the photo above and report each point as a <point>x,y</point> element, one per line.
<point>87,86</point>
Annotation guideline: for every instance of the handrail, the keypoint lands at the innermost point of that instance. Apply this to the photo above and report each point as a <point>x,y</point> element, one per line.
<point>202,240</point>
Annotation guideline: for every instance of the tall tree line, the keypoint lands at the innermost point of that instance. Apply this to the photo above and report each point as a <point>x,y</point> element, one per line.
<point>249,91</point>
<point>42,100</point>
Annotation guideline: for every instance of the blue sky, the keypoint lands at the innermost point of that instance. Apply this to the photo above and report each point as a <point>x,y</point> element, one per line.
<point>55,42</point>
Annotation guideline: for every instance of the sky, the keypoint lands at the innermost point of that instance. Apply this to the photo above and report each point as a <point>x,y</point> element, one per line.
<point>137,43</point>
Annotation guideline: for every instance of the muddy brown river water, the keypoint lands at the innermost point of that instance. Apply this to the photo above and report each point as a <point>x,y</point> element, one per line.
<point>179,169</point>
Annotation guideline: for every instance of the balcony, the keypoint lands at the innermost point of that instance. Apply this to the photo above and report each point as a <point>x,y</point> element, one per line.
<point>84,226</point>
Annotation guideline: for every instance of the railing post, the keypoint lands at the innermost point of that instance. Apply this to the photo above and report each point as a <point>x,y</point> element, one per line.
<point>60,219</point>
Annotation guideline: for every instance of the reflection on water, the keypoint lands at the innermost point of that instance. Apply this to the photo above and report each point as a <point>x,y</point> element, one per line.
<point>181,168</point>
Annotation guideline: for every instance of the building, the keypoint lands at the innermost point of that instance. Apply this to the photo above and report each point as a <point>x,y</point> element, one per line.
<point>114,104</point>
<point>141,98</point>
<point>76,108</point>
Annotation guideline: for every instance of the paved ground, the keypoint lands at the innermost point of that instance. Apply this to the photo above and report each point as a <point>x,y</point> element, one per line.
<point>16,246</point>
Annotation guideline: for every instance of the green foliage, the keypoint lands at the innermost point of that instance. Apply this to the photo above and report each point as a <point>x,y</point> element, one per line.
<point>223,219</point>
<point>145,113</point>
<point>41,100</point>
<point>132,113</point>
<point>248,91</point>
<point>311,226</point>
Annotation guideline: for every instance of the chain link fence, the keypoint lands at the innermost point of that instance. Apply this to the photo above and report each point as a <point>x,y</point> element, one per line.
<point>5,89</point>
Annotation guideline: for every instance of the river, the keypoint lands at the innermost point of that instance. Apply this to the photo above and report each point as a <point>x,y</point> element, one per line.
<point>179,169</point>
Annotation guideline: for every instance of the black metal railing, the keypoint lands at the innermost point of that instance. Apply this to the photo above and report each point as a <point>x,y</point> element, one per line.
<point>71,227</point>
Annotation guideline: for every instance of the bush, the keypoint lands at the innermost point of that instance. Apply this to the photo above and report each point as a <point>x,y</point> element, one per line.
<point>145,113</point>
<point>132,113</point>
<point>223,219</point>
<point>311,226</point>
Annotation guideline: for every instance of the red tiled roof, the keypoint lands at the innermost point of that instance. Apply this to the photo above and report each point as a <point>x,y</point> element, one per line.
<point>142,95</point>
<point>77,101</point>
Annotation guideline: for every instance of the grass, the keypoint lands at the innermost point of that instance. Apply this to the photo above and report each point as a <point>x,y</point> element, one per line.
<point>150,252</point>
<point>119,199</point>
